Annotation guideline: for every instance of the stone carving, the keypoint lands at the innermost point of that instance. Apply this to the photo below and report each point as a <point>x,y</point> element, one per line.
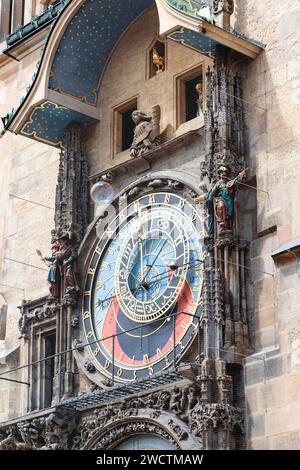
<point>72,195</point>
<point>223,5</point>
<point>176,401</point>
<point>157,183</point>
<point>220,200</point>
<point>178,431</point>
<point>12,440</point>
<point>216,415</point>
<point>66,259</point>
<point>155,414</point>
<point>224,382</point>
<point>136,427</point>
<point>75,321</point>
<point>30,316</point>
<point>224,123</point>
<point>146,132</point>
<point>51,433</point>
<point>59,427</point>
<point>33,433</point>
<point>90,367</point>
<point>78,344</point>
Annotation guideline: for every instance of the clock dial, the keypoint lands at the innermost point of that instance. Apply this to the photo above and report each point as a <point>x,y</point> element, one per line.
<point>142,298</point>
<point>152,266</point>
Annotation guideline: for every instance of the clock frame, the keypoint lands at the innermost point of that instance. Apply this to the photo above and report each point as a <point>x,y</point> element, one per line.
<point>126,346</point>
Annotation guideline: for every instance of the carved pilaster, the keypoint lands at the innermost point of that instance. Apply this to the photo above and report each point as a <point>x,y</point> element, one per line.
<point>72,201</point>
<point>224,121</point>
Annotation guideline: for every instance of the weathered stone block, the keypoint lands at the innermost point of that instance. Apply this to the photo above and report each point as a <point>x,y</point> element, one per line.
<point>286,441</point>
<point>254,373</point>
<point>256,426</point>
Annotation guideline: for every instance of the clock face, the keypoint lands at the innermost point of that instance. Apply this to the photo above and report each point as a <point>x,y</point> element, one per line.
<point>142,298</point>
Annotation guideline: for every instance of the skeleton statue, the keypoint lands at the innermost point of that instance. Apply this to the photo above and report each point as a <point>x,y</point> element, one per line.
<point>199,89</point>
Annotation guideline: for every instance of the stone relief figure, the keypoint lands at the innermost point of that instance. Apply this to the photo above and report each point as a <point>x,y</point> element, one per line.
<point>158,61</point>
<point>66,257</point>
<point>58,427</point>
<point>220,200</point>
<point>223,5</point>
<point>176,401</point>
<point>146,132</point>
<point>53,274</point>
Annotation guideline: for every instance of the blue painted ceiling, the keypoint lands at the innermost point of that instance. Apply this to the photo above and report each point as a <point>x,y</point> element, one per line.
<point>195,41</point>
<point>86,45</point>
<point>48,121</point>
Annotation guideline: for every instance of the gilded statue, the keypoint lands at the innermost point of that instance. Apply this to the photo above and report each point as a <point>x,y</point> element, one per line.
<point>158,61</point>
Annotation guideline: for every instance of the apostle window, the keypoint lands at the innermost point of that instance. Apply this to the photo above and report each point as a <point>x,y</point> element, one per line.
<point>156,58</point>
<point>124,125</point>
<point>189,90</point>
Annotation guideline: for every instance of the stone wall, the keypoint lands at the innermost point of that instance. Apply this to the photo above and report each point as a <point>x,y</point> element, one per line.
<point>28,170</point>
<point>273,123</point>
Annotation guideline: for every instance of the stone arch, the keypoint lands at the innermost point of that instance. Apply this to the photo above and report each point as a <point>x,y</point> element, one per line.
<point>147,422</point>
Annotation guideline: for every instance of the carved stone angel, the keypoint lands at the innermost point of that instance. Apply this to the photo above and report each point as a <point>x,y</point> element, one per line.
<point>146,132</point>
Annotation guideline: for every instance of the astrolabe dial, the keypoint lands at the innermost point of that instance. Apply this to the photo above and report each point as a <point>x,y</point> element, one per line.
<point>142,299</point>
<point>152,266</point>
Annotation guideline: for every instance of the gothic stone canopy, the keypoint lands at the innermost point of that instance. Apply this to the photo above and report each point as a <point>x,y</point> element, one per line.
<point>67,84</point>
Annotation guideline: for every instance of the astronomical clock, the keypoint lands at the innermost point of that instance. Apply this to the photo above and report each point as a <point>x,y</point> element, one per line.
<point>142,303</point>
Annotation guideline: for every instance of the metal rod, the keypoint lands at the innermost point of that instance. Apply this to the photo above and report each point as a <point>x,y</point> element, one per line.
<point>32,202</point>
<point>247,101</point>
<point>248,186</point>
<point>11,287</point>
<point>113,360</point>
<point>15,381</point>
<point>174,340</point>
<point>25,264</point>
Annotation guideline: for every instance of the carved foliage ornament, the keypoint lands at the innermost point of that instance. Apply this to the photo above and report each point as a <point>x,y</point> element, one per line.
<point>51,433</point>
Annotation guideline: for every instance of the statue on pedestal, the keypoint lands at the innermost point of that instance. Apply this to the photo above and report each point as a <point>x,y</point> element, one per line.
<point>158,61</point>
<point>66,257</point>
<point>146,132</point>
<point>220,200</point>
<point>53,274</point>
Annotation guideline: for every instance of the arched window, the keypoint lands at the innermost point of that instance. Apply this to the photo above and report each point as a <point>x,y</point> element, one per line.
<point>156,58</point>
